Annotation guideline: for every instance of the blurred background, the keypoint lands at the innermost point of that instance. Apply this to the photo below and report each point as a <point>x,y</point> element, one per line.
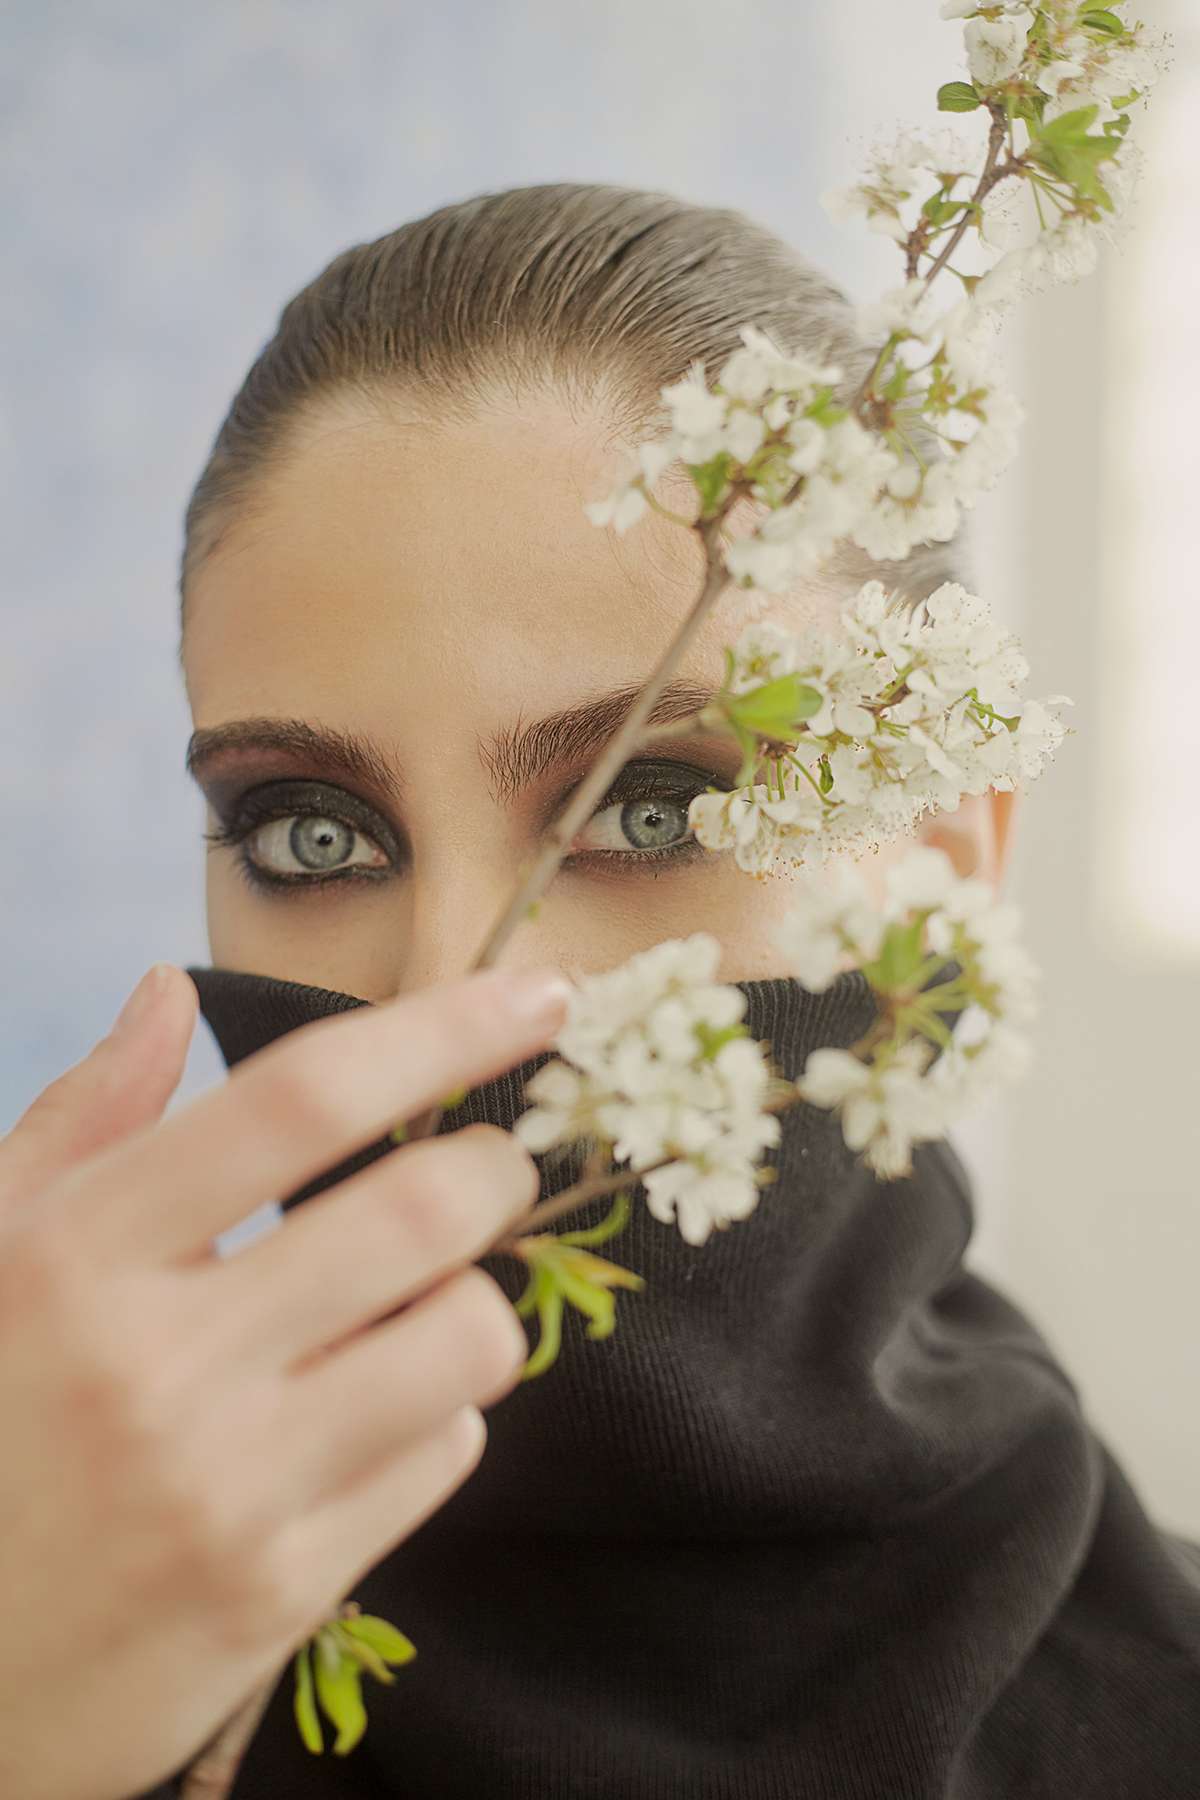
<point>170,176</point>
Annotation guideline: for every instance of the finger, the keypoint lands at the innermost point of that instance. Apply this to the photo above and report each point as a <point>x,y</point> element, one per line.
<point>300,1106</point>
<point>358,1527</point>
<point>350,1408</point>
<point>121,1085</point>
<point>371,1244</point>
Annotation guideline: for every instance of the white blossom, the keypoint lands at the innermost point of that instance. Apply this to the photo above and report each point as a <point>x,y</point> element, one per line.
<point>885,1109</point>
<point>911,308</point>
<point>760,367</point>
<point>1051,76</point>
<point>961,9</point>
<point>996,47</point>
<point>697,417</point>
<point>622,508</point>
<point>649,1079</point>
<point>893,177</point>
<point>845,466</point>
<point>1095,71</point>
<point>904,1090</point>
<point>925,878</point>
<point>825,921</point>
<point>890,760</point>
<point>744,434</point>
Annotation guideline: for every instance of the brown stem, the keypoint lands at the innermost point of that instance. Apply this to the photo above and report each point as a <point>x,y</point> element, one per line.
<point>212,1775</point>
<point>994,172</point>
<point>557,841</point>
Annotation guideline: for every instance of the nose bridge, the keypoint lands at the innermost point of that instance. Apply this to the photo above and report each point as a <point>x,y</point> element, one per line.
<point>453,905</point>
<point>454,908</point>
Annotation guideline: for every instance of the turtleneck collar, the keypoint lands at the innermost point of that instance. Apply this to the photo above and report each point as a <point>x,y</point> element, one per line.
<point>795,1528</point>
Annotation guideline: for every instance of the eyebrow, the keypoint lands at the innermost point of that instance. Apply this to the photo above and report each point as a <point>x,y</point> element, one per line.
<point>514,757</point>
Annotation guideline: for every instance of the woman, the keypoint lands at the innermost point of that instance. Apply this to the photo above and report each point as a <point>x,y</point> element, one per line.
<point>824,1516</point>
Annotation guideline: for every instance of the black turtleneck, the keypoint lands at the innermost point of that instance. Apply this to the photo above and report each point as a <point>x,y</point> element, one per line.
<point>824,1519</point>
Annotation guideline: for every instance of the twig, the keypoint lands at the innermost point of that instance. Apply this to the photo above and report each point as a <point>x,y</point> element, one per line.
<point>212,1775</point>
<point>557,841</point>
<point>993,173</point>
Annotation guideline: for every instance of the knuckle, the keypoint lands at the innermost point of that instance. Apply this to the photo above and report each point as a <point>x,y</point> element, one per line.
<point>510,1169</point>
<point>118,1410</point>
<point>261,1596</point>
<point>441,1208</point>
<point>299,1094</point>
<point>489,1338</point>
<point>38,1271</point>
<point>213,1553</point>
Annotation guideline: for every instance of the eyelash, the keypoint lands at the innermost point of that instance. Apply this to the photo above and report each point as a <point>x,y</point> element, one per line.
<point>637,781</point>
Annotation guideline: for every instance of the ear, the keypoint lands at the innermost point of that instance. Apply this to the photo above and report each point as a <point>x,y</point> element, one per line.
<point>977,837</point>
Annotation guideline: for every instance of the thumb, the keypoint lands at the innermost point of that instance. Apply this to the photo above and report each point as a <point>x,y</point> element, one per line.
<point>124,1083</point>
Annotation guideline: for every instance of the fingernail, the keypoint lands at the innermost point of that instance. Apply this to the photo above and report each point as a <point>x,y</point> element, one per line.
<point>140,1001</point>
<point>539,996</point>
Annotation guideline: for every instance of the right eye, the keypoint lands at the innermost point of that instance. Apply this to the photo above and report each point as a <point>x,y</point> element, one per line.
<point>297,846</point>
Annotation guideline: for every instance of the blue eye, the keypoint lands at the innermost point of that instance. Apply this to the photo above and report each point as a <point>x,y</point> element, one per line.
<point>644,816</point>
<point>314,827</point>
<point>305,834</point>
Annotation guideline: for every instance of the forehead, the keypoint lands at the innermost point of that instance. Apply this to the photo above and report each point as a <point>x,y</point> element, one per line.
<point>390,563</point>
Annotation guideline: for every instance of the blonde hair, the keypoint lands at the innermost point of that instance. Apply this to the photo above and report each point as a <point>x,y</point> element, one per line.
<point>577,286</point>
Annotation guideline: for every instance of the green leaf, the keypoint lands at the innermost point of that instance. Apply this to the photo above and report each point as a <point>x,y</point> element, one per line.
<point>598,1272</point>
<point>711,479</point>
<point>711,1039</point>
<point>1105,21</point>
<point>824,409</point>
<point>775,709</point>
<point>896,387</point>
<point>454,1098</point>
<point>900,955</point>
<point>304,1704</point>
<point>399,1133</point>
<point>958,96</point>
<point>748,744</point>
<point>1064,148</point>
<point>597,1302</point>
<point>340,1694</point>
<point>608,1226</point>
<point>550,1305</point>
<point>363,1655</point>
<point>530,1298</point>
<point>383,1637</point>
<point>1069,127</point>
<point>930,1025</point>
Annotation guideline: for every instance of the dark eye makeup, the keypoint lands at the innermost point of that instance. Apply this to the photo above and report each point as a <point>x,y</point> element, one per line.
<point>648,791</point>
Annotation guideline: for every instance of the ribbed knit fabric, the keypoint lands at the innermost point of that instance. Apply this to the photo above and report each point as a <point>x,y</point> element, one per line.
<point>822,1520</point>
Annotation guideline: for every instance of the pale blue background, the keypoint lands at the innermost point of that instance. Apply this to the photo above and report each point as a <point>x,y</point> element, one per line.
<point>170,176</point>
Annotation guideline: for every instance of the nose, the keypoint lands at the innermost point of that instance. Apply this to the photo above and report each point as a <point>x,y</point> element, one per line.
<point>450,919</point>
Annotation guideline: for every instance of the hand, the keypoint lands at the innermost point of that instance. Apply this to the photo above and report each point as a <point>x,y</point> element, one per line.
<point>202,1456</point>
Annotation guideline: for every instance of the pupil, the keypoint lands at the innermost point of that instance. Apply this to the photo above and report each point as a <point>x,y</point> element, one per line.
<point>653,824</point>
<point>321,843</point>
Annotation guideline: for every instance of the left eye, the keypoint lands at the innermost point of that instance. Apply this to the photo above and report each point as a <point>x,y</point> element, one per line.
<point>653,822</point>
<point>314,841</point>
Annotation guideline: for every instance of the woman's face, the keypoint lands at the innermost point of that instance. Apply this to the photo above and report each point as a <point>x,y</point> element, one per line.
<point>440,598</point>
